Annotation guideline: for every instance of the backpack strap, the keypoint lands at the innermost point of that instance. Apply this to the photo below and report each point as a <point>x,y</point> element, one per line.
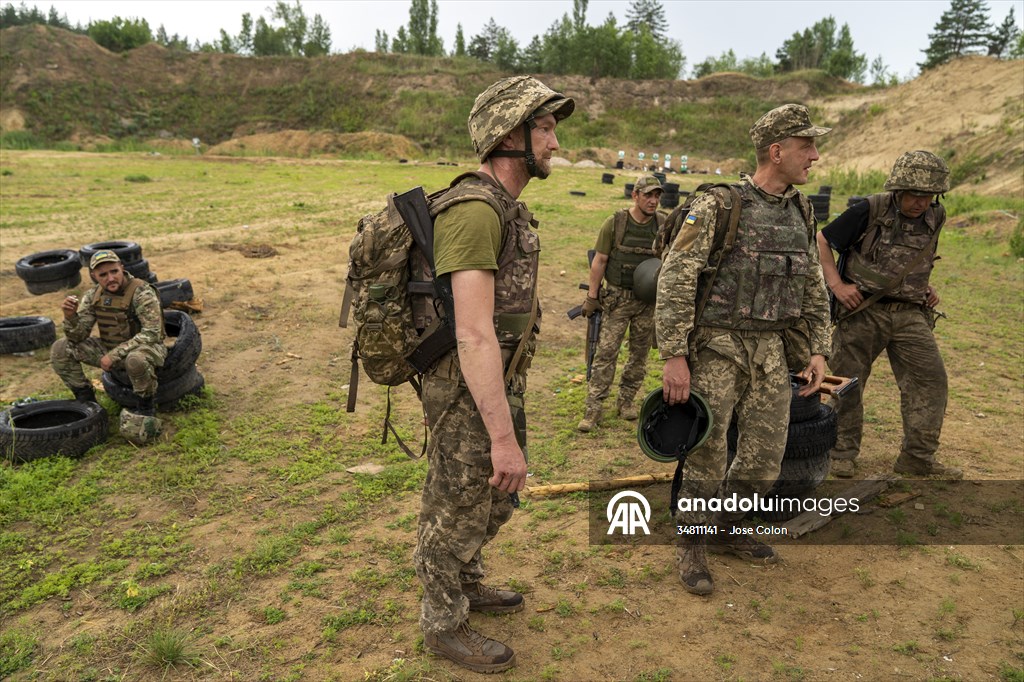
<point>729,213</point>
<point>523,339</point>
<point>620,228</point>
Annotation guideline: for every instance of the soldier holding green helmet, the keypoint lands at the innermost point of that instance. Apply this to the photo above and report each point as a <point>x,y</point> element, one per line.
<point>888,245</point>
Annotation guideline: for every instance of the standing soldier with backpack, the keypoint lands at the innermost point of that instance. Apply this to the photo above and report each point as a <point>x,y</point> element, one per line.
<point>473,396</point>
<point>626,239</point>
<point>888,245</point>
<point>721,316</point>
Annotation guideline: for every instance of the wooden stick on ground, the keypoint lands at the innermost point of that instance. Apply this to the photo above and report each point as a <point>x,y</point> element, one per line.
<point>587,486</point>
<point>862,491</point>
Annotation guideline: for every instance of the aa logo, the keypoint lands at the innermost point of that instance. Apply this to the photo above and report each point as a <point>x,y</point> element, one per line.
<point>628,516</point>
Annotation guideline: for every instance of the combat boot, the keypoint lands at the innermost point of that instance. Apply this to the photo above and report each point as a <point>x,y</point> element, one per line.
<point>743,546</point>
<point>843,468</point>
<point>146,407</point>
<point>693,566</point>
<point>591,418</point>
<point>84,394</point>
<point>920,468</point>
<point>628,411</point>
<point>486,599</point>
<point>471,650</point>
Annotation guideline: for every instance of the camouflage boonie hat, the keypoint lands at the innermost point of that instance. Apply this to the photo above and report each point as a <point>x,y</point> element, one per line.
<point>789,120</point>
<point>919,172</point>
<point>103,257</point>
<point>507,104</point>
<point>139,429</point>
<point>646,184</point>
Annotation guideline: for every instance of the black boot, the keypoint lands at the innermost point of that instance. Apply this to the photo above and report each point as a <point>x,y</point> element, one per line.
<point>146,407</point>
<point>84,394</point>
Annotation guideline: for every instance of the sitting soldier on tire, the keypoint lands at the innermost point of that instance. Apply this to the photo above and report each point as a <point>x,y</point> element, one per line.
<point>131,336</point>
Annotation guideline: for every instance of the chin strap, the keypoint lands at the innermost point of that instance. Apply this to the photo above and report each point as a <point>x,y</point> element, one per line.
<point>531,161</point>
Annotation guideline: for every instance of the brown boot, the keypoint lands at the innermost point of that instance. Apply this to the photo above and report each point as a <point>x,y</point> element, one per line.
<point>743,546</point>
<point>471,650</point>
<point>923,468</point>
<point>843,468</point>
<point>591,418</point>
<point>486,599</point>
<point>693,566</point>
<point>628,411</point>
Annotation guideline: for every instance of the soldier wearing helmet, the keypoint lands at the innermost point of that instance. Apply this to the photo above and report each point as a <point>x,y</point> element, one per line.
<point>625,241</point>
<point>887,246</point>
<point>131,332</point>
<point>721,334</point>
<point>473,397</point>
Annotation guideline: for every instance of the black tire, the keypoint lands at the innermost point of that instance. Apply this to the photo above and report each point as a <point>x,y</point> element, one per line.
<point>21,334</point>
<point>48,266</point>
<point>39,288</point>
<point>167,393</point>
<point>628,190</point>
<point>139,268</point>
<point>173,290</point>
<point>607,178</point>
<point>181,357</point>
<point>51,427</point>
<point>128,252</point>
<point>813,438</point>
<point>669,200</point>
<point>799,477</point>
<point>802,408</point>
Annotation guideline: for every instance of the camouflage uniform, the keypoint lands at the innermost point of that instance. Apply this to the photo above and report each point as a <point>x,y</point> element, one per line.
<point>769,281</point>
<point>139,354</point>
<point>899,324</point>
<point>460,511</point>
<point>621,311</point>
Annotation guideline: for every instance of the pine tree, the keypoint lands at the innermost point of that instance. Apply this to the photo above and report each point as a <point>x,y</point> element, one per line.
<point>460,42</point>
<point>1004,37</point>
<point>647,13</point>
<point>962,29</point>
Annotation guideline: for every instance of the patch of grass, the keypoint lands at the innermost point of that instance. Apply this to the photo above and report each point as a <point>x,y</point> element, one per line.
<point>536,623</point>
<point>273,615</point>
<point>725,662</point>
<point>565,608</point>
<point>267,556</point>
<point>787,671</point>
<point>958,560</point>
<point>138,178</point>
<point>167,648</point>
<point>61,582</point>
<point>864,576</point>
<point>131,596</point>
<point>17,650</point>
<point>366,613</point>
<point>1010,673</point>
<point>657,675</point>
<point>907,648</point>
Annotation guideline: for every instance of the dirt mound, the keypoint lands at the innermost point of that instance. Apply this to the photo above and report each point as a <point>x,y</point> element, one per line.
<point>304,143</point>
<point>970,111</point>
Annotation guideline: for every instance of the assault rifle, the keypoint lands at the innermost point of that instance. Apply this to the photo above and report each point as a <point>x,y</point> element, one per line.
<point>593,331</point>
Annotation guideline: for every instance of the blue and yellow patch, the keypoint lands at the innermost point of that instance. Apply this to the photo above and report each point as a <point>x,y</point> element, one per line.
<point>691,219</point>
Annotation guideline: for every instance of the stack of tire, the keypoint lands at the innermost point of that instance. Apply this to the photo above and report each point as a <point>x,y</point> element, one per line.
<point>820,203</point>
<point>24,334</point>
<point>607,178</point>
<point>172,291</point>
<point>51,427</point>
<point>130,254</point>
<point>670,195</point>
<point>179,376</point>
<point>805,464</point>
<point>49,271</point>
<point>628,190</point>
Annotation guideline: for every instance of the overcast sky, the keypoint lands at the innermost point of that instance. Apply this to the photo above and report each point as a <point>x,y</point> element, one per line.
<point>896,29</point>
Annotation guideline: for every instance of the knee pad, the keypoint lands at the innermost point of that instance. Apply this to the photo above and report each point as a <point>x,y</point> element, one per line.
<point>139,429</point>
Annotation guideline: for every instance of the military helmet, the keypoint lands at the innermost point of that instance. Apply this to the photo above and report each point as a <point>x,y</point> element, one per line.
<point>919,171</point>
<point>645,280</point>
<point>509,103</point>
<point>667,433</point>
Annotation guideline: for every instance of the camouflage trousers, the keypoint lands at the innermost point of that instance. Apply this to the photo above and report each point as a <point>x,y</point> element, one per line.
<point>460,511</point>
<point>140,364</point>
<point>622,312</point>
<point>904,332</point>
<point>743,373</point>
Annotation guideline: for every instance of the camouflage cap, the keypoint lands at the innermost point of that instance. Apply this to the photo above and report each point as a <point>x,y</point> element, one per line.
<point>789,120</point>
<point>919,172</point>
<point>507,104</point>
<point>646,184</point>
<point>103,257</point>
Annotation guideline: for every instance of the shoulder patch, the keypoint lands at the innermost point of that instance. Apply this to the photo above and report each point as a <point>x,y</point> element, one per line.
<point>691,219</point>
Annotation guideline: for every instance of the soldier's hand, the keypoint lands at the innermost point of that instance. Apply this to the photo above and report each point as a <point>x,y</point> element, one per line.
<point>509,468</point>
<point>591,306</point>
<point>932,299</point>
<point>106,362</point>
<point>848,294</point>
<point>813,374</point>
<point>69,307</point>
<point>675,381</point>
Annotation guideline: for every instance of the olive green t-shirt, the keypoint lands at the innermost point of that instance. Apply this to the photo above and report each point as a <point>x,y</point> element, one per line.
<point>606,237</point>
<point>467,236</point>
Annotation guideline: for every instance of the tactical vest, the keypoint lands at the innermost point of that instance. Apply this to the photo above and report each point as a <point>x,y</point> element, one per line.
<point>632,245</point>
<point>515,281</point>
<point>889,244</point>
<point>760,282</point>
<point>115,316</point>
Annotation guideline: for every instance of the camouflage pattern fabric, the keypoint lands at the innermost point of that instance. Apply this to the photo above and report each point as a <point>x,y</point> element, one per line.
<point>919,171</point>
<point>460,511</point>
<point>139,429</point>
<point>890,243</point>
<point>622,312</point>
<point>745,373</point>
<point>789,120</point>
<point>506,104</point>
<point>904,332</point>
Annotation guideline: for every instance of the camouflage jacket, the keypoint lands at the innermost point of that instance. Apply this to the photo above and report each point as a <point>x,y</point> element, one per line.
<point>145,308</point>
<point>770,280</point>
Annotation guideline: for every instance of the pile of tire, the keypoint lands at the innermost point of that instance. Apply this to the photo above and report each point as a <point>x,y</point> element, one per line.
<point>805,464</point>
<point>179,376</point>
<point>820,203</point>
<point>130,254</point>
<point>628,190</point>
<point>174,291</point>
<point>51,427</point>
<point>23,334</point>
<point>48,271</point>
<point>670,195</point>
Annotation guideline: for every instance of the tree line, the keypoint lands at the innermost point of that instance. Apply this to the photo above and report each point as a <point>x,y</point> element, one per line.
<point>639,48</point>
